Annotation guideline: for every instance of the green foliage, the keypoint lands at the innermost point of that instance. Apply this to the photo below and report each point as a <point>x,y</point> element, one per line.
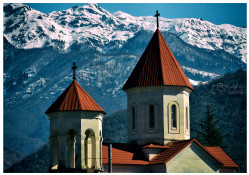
<point>37,162</point>
<point>209,133</point>
<point>11,156</point>
<point>227,96</point>
<point>115,126</point>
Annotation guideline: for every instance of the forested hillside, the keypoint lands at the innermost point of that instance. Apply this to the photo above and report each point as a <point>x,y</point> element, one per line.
<point>115,127</point>
<point>37,162</point>
<point>10,156</point>
<point>227,98</point>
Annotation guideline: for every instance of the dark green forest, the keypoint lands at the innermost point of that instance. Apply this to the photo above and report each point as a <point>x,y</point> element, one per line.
<point>226,97</point>
<point>37,162</point>
<point>10,156</point>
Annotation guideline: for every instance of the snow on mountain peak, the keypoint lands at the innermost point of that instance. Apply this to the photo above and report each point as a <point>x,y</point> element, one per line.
<point>27,28</point>
<point>13,6</point>
<point>121,14</point>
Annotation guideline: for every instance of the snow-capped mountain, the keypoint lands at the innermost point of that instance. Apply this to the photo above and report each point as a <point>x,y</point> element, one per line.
<point>39,50</point>
<point>103,31</point>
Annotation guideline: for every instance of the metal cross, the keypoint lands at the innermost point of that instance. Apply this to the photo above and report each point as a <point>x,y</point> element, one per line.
<point>156,15</point>
<point>74,68</point>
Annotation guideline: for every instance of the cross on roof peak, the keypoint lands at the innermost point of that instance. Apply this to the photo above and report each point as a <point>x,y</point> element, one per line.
<point>74,69</point>
<point>157,15</point>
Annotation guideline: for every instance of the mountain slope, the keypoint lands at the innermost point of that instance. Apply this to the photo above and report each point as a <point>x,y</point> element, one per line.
<point>37,162</point>
<point>103,31</point>
<point>115,126</point>
<point>10,157</point>
<point>227,98</point>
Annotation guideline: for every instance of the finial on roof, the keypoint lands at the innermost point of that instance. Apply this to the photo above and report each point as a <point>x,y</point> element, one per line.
<point>157,15</point>
<point>74,69</point>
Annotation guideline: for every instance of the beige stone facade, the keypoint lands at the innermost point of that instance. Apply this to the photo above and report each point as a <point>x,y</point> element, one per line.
<point>162,98</point>
<point>76,140</point>
<point>193,159</point>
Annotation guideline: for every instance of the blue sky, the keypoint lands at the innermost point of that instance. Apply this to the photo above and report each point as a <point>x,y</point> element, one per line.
<point>217,13</point>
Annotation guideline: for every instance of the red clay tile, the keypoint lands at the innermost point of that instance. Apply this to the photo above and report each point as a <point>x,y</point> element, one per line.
<point>123,153</point>
<point>74,98</point>
<point>157,67</point>
<point>152,145</point>
<point>220,155</point>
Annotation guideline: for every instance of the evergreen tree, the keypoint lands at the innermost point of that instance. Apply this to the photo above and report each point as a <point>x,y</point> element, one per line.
<point>209,133</point>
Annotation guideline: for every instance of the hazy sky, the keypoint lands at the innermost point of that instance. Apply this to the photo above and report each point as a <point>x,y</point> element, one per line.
<point>217,13</point>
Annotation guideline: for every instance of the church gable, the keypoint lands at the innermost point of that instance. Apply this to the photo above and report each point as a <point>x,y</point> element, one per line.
<point>192,159</point>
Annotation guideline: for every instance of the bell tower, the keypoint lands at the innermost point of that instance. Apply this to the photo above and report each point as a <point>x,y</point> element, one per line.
<point>75,131</point>
<point>157,96</point>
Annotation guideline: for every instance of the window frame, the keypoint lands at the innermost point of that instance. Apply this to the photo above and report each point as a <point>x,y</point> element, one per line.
<point>173,117</point>
<point>173,130</point>
<point>150,116</point>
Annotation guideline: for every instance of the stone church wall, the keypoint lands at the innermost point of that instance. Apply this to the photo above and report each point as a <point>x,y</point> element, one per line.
<point>192,159</point>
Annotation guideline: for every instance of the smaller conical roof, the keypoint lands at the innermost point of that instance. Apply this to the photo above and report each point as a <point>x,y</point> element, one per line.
<point>157,67</point>
<point>74,98</point>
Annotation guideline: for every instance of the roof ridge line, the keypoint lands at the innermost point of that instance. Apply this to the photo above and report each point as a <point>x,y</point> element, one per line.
<point>188,143</point>
<point>77,94</point>
<point>172,156</point>
<point>94,104</point>
<point>146,60</point>
<point>174,60</point>
<point>66,94</point>
<point>160,54</point>
<point>204,148</point>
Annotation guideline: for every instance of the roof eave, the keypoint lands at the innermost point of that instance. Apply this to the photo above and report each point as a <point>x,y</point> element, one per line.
<point>190,88</point>
<point>49,112</point>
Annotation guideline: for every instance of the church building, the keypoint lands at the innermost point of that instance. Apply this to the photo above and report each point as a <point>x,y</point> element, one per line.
<point>158,124</point>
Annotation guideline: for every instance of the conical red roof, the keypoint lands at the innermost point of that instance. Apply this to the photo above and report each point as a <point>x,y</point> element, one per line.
<point>157,67</point>
<point>74,98</point>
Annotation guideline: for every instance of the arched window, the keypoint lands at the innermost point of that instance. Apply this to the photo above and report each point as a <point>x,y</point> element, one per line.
<point>90,148</point>
<point>133,118</point>
<point>70,148</point>
<point>152,116</point>
<point>173,115</point>
<point>186,117</point>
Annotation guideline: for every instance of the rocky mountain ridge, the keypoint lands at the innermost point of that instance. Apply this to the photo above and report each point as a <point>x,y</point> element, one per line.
<point>102,31</point>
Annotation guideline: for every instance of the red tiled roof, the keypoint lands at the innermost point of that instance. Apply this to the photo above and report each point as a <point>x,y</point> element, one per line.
<point>220,155</point>
<point>174,148</point>
<point>157,67</point>
<point>123,153</point>
<point>74,98</point>
<point>177,146</point>
<point>152,145</point>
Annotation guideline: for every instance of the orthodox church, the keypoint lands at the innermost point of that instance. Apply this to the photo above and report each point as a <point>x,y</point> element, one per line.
<point>158,124</point>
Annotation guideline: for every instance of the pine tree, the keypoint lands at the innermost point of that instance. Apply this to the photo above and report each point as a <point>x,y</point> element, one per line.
<point>209,133</point>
